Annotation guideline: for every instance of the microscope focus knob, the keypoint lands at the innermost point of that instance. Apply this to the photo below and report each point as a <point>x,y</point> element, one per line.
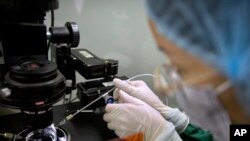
<point>68,34</point>
<point>74,33</point>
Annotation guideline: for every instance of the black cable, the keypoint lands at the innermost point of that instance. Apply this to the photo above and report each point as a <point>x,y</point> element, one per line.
<point>52,17</point>
<point>52,25</point>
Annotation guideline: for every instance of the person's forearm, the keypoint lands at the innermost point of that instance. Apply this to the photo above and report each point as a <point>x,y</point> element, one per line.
<point>169,135</point>
<point>195,133</point>
<point>174,115</point>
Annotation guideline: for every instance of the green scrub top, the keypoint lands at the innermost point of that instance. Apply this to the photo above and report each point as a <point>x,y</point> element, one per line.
<point>194,133</point>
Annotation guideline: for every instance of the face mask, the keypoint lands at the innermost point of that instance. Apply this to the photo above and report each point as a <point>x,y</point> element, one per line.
<point>201,104</point>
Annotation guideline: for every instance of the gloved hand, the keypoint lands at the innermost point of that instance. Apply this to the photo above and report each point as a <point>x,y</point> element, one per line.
<point>140,90</point>
<point>134,116</point>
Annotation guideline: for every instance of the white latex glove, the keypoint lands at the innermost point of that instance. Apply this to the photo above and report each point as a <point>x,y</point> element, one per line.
<point>134,116</point>
<point>140,90</point>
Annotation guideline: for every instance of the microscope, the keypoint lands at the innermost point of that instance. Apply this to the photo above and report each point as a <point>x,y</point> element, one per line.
<point>29,81</point>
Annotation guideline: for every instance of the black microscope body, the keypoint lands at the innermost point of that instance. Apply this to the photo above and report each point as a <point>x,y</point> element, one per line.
<point>32,83</point>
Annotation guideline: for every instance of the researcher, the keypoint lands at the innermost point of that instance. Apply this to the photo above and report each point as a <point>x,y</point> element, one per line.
<point>207,43</point>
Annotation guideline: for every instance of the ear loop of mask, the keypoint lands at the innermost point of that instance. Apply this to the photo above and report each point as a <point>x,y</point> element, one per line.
<point>223,87</point>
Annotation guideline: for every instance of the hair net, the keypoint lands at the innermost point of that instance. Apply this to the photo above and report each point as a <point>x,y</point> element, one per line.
<point>217,31</point>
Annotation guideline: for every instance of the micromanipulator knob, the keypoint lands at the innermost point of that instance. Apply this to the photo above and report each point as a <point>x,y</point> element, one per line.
<point>68,34</point>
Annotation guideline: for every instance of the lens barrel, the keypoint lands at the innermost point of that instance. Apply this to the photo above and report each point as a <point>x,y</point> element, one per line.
<point>35,86</point>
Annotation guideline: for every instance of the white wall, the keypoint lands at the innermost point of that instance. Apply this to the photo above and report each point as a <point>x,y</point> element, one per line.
<point>115,29</point>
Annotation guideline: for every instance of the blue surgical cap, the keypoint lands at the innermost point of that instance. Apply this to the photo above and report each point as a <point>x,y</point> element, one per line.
<point>217,31</point>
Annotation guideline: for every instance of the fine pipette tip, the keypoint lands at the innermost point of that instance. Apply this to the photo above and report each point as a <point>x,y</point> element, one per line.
<point>63,121</point>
